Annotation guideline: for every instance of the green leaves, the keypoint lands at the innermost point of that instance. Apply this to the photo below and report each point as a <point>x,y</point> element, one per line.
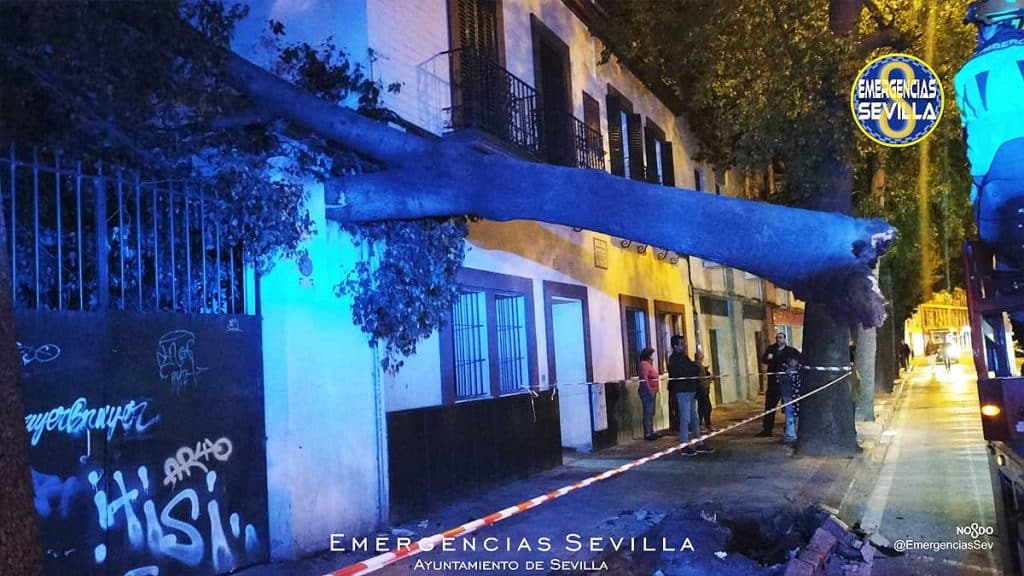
<point>406,289</point>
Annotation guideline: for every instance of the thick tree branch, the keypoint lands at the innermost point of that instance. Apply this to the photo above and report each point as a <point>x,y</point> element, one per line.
<point>835,268</point>
<point>341,125</point>
<point>876,13</point>
<point>886,37</point>
<point>843,16</point>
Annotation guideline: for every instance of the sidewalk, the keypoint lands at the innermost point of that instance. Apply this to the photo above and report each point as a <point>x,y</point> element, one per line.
<point>680,511</point>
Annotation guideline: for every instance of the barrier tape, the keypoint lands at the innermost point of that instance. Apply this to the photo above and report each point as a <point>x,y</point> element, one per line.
<point>430,542</point>
<point>712,376</point>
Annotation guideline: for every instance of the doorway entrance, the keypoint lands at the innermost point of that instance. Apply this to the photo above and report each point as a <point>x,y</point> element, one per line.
<point>581,403</point>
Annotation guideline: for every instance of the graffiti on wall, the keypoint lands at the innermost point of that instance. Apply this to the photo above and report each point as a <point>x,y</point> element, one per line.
<point>186,458</point>
<point>130,475</point>
<point>175,357</point>
<point>42,354</point>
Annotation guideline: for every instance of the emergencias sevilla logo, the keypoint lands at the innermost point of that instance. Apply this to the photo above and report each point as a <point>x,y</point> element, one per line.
<point>897,100</point>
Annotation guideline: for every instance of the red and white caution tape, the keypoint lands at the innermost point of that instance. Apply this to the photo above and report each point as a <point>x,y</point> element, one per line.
<point>431,542</point>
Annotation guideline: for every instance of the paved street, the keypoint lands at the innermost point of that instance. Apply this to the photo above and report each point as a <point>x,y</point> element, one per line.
<point>934,477</point>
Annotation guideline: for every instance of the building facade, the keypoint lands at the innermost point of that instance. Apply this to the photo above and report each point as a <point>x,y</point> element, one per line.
<point>541,350</point>
<point>942,319</point>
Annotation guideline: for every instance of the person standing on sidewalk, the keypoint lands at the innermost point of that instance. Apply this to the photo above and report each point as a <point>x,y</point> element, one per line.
<point>684,382</point>
<point>905,355</point>
<point>789,386</point>
<point>704,392</point>
<point>648,390</point>
<point>776,357</point>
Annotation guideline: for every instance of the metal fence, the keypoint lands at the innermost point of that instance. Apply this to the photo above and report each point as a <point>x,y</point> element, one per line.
<point>490,98</point>
<point>109,239</point>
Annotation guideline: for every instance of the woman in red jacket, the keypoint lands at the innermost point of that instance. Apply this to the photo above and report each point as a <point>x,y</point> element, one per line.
<point>648,390</point>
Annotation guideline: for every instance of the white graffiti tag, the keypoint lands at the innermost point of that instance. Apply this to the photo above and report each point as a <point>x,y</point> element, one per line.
<point>79,417</point>
<point>178,530</point>
<point>176,360</point>
<point>42,354</point>
<point>181,465</point>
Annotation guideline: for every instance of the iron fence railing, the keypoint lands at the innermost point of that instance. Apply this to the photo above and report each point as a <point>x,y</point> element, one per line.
<point>109,239</point>
<point>568,141</point>
<point>489,98</point>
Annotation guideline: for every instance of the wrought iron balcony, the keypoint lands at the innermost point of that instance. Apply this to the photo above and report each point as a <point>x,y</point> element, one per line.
<point>489,98</point>
<point>568,141</point>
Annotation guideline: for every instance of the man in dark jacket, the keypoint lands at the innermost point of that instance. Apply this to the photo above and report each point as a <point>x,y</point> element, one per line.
<point>776,357</point>
<point>684,383</point>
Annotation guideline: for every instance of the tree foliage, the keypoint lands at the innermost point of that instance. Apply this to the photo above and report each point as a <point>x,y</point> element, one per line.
<point>142,85</point>
<point>756,78</point>
<point>403,292</point>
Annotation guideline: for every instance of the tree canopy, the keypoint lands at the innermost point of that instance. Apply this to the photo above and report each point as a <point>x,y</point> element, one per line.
<point>759,80</point>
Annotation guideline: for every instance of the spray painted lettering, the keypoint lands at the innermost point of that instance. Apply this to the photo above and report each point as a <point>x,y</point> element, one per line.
<point>174,532</point>
<point>78,417</point>
<point>176,359</point>
<point>42,354</point>
<point>181,465</point>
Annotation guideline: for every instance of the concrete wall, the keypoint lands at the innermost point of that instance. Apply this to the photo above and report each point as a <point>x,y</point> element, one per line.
<point>407,38</point>
<point>324,473</point>
<point>309,21</point>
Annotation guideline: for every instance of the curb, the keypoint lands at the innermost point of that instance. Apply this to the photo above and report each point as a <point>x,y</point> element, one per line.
<point>885,415</point>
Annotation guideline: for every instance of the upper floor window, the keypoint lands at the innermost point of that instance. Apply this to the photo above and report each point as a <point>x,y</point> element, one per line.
<point>625,137</point>
<point>660,169</point>
<point>476,25</point>
<point>624,129</point>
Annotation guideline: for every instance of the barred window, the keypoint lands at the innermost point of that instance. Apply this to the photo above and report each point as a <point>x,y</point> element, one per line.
<point>469,327</point>
<point>489,348</point>
<point>510,332</point>
<point>636,339</point>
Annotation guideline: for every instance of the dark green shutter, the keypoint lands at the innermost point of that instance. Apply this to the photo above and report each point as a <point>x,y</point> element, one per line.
<point>636,147</point>
<point>667,167</point>
<point>615,135</point>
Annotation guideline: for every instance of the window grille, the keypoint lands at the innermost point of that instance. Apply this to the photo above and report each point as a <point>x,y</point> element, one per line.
<point>636,339</point>
<point>469,326</point>
<point>510,331</point>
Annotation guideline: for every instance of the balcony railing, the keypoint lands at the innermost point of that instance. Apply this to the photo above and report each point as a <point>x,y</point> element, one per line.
<point>489,98</point>
<point>568,141</point>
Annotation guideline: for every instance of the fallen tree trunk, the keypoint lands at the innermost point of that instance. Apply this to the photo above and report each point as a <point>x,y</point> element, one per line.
<point>821,256</point>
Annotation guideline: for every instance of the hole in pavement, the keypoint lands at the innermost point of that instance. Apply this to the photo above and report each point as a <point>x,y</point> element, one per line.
<point>768,538</point>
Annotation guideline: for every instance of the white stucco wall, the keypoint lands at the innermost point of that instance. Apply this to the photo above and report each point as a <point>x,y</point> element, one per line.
<point>323,471</point>
<point>309,21</point>
<point>559,254</point>
<point>407,38</point>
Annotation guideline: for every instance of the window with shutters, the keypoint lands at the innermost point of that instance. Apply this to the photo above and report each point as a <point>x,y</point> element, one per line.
<point>476,25</point>
<point>591,113</point>
<point>626,156</point>
<point>698,180</point>
<point>625,137</point>
<point>660,169</point>
<point>635,335</point>
<point>590,144</point>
